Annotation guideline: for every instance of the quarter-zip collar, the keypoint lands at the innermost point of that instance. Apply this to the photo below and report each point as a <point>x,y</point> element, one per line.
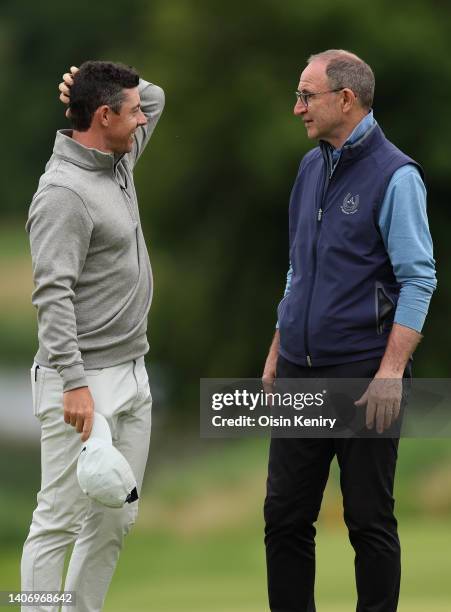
<point>353,145</point>
<point>92,159</point>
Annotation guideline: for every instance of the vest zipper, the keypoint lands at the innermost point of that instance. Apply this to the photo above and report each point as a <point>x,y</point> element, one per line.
<point>328,177</point>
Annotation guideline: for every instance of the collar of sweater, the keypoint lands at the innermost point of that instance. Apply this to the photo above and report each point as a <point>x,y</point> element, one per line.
<point>92,159</point>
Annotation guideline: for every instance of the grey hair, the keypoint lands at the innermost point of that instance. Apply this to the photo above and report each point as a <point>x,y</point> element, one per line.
<point>345,69</point>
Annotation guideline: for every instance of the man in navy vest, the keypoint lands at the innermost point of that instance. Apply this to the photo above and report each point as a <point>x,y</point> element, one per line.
<point>358,289</point>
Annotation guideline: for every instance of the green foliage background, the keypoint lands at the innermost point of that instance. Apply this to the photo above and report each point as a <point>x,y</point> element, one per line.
<point>215,182</point>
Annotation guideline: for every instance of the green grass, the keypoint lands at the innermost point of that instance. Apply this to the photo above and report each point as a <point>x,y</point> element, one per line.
<point>198,543</point>
<point>225,572</point>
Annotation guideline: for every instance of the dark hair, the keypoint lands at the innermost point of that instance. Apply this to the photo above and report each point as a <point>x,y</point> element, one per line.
<point>95,84</point>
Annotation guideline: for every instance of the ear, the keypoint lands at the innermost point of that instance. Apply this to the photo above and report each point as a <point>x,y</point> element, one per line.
<point>348,100</point>
<point>103,115</point>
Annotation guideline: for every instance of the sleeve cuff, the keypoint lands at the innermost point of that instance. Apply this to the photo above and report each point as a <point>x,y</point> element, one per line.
<point>73,377</point>
<point>410,317</point>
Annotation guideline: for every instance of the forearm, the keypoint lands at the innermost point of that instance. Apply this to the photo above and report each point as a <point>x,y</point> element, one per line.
<point>152,100</point>
<point>289,279</point>
<point>58,334</point>
<point>275,344</point>
<point>404,227</point>
<point>152,104</point>
<point>269,371</point>
<point>401,344</point>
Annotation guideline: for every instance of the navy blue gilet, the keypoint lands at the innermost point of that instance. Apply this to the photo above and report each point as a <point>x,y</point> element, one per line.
<point>343,294</point>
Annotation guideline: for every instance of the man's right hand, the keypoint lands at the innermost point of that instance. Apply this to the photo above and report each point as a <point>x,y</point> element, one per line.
<point>269,371</point>
<point>65,85</point>
<point>79,410</point>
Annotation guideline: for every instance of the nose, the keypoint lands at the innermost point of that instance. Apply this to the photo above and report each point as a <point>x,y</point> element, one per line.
<point>299,108</point>
<point>142,119</point>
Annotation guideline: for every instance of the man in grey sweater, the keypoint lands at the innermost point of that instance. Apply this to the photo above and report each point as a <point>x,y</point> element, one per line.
<point>93,289</point>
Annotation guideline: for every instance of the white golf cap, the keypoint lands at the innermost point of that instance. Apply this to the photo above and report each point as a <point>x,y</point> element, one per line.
<point>103,472</point>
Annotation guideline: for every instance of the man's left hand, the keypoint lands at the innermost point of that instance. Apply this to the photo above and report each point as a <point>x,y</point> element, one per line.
<point>383,402</point>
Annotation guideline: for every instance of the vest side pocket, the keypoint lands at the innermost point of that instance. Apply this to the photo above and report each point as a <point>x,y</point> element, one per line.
<point>384,306</point>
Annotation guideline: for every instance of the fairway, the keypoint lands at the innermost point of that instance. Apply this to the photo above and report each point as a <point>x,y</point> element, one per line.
<point>225,572</point>
<point>198,542</point>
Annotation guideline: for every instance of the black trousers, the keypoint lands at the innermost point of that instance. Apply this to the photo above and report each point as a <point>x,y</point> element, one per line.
<point>297,474</point>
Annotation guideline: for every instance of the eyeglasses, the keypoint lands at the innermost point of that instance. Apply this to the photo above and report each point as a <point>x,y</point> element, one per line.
<point>304,97</point>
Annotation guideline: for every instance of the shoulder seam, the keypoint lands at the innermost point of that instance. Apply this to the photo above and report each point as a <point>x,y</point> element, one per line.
<point>72,191</point>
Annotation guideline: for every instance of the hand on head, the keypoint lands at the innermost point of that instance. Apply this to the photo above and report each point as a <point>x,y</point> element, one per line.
<point>65,85</point>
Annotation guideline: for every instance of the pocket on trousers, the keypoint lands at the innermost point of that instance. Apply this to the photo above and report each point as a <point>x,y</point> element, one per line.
<point>142,380</point>
<point>37,384</point>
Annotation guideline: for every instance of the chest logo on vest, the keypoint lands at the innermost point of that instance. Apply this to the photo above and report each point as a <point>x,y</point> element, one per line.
<point>350,204</point>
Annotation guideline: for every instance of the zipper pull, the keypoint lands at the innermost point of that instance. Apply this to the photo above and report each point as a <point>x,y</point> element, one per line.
<point>309,361</point>
<point>320,214</point>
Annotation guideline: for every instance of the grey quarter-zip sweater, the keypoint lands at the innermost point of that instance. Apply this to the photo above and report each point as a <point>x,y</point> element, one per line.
<point>91,270</point>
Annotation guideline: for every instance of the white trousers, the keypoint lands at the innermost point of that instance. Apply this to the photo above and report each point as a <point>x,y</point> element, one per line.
<point>64,515</point>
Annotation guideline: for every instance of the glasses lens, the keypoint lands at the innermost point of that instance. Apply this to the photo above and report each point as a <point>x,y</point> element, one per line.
<point>302,97</point>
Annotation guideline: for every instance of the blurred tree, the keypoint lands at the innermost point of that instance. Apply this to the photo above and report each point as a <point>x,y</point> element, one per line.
<point>215,184</point>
